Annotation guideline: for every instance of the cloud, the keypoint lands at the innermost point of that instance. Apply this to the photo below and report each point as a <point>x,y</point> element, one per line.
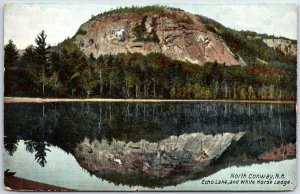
<point>22,22</point>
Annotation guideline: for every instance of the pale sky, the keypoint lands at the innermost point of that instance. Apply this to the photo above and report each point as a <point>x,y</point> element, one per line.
<point>22,22</point>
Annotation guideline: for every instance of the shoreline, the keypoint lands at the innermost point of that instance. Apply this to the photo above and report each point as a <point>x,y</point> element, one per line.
<point>49,100</point>
<point>13,183</point>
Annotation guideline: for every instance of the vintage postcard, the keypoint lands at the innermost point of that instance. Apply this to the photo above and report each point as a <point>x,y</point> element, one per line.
<point>150,97</point>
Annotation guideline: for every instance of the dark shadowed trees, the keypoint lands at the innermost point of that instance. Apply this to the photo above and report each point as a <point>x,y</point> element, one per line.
<point>11,55</point>
<point>68,72</point>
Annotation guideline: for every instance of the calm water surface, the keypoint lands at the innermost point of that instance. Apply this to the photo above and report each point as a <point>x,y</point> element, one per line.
<point>125,146</point>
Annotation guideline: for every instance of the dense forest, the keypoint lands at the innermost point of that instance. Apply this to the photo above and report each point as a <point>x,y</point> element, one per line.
<point>64,71</point>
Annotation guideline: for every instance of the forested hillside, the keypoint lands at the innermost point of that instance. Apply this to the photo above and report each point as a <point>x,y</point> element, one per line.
<point>65,71</point>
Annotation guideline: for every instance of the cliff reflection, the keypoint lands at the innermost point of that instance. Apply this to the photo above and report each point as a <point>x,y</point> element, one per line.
<point>151,144</point>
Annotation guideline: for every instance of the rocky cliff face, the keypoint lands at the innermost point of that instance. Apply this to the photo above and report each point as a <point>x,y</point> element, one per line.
<point>169,158</point>
<point>177,34</point>
<point>282,45</point>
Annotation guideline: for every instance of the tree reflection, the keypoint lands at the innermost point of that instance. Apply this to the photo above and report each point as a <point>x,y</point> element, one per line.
<point>32,127</point>
<point>10,145</point>
<point>39,148</point>
<point>29,146</point>
<point>67,124</point>
<point>40,155</point>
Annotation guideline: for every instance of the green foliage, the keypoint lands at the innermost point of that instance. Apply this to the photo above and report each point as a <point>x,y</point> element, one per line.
<point>134,75</point>
<point>29,57</point>
<point>54,82</point>
<point>67,72</point>
<point>41,55</point>
<point>11,55</point>
<point>41,48</point>
<point>11,58</point>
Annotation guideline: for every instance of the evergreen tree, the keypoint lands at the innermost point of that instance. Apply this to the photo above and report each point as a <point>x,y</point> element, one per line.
<point>42,52</point>
<point>29,57</point>
<point>11,55</point>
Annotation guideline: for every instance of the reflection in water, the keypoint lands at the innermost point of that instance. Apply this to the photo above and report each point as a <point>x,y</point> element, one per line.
<point>143,143</point>
<point>153,163</point>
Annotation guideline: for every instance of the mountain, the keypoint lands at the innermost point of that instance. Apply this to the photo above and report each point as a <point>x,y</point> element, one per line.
<point>156,52</point>
<point>174,33</point>
<point>178,35</point>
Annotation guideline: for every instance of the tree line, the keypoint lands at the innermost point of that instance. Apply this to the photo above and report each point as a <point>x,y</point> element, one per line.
<point>65,71</point>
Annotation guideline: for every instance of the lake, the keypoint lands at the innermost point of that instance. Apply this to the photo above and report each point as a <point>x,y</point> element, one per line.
<point>145,146</point>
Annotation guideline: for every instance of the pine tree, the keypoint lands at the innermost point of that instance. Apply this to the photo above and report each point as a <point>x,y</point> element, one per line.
<point>28,57</point>
<point>11,55</point>
<point>41,51</point>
